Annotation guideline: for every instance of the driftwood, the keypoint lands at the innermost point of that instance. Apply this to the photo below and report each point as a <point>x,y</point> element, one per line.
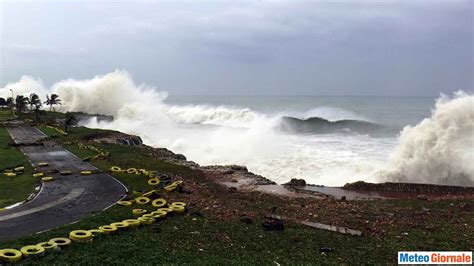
<point>333,228</point>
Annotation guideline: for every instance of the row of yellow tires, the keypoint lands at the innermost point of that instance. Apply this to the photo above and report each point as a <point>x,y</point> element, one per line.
<point>14,255</point>
<point>133,170</point>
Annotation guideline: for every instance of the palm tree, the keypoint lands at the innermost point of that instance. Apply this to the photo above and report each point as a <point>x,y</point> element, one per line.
<point>69,121</point>
<point>54,100</point>
<point>21,103</point>
<point>34,101</point>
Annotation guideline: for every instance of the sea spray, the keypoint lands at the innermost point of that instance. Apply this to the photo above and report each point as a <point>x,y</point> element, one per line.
<point>440,149</point>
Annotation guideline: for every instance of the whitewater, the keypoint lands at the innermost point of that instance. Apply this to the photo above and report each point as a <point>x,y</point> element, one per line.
<point>324,140</point>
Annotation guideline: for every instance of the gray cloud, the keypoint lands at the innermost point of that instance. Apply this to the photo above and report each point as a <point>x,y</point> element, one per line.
<point>239,47</point>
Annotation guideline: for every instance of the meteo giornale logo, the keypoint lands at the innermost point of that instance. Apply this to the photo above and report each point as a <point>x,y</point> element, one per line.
<point>435,257</point>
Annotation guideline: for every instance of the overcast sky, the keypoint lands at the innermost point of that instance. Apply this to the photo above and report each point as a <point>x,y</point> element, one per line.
<point>246,47</point>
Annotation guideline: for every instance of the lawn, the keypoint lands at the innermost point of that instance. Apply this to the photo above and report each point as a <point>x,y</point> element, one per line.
<point>18,188</point>
<point>5,115</point>
<point>199,237</point>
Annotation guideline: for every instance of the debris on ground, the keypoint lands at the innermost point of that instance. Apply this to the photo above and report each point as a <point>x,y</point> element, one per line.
<point>333,228</point>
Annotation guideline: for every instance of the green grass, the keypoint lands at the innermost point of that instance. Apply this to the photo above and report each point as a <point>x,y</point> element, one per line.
<point>18,188</point>
<point>5,115</point>
<point>210,240</point>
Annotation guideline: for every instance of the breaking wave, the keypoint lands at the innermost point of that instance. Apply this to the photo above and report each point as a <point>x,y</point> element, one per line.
<point>437,150</point>
<point>440,149</point>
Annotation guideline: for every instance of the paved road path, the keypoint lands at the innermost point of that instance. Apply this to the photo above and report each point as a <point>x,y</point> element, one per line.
<point>66,199</point>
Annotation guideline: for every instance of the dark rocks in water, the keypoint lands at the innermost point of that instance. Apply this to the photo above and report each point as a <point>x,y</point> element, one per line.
<point>321,125</point>
<point>294,182</point>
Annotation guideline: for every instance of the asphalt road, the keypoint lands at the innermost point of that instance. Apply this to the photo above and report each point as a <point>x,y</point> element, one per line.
<point>65,200</point>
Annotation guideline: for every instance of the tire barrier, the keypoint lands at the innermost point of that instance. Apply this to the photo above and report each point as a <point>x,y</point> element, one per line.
<point>120,225</point>
<point>154,181</point>
<point>142,200</point>
<point>47,179</point>
<point>158,203</point>
<point>38,175</point>
<point>133,171</point>
<point>9,174</point>
<point>60,131</point>
<point>19,169</point>
<point>138,212</point>
<point>33,251</point>
<point>77,236</point>
<point>80,236</point>
<point>132,223</point>
<point>48,246</point>
<point>86,172</point>
<point>10,255</point>
<point>108,229</point>
<point>60,242</point>
<point>115,169</point>
<point>95,232</point>
<point>100,154</point>
<point>124,203</point>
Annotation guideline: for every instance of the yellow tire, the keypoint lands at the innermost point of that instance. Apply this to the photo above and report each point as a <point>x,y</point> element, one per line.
<point>177,209</point>
<point>43,164</point>
<point>142,200</point>
<point>124,203</point>
<point>132,223</point>
<point>38,175</point>
<point>146,220</point>
<point>170,188</point>
<point>10,174</point>
<point>60,242</point>
<point>47,179</point>
<point>80,236</point>
<point>158,214</point>
<point>132,171</point>
<point>120,225</point>
<point>115,169</point>
<point>179,182</point>
<point>19,169</point>
<point>10,255</point>
<point>138,212</point>
<point>108,229</point>
<point>95,232</point>
<point>167,210</point>
<point>158,203</point>
<point>86,172</point>
<point>178,203</point>
<point>48,246</point>
<point>153,182</point>
<point>149,193</point>
<point>33,250</point>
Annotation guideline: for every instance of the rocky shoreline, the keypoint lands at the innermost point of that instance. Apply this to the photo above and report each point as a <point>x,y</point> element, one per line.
<point>238,178</point>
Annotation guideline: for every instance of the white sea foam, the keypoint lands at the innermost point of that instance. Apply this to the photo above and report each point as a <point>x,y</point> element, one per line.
<point>438,150</point>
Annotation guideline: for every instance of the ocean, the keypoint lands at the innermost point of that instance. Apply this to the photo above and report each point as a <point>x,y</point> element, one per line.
<point>324,140</point>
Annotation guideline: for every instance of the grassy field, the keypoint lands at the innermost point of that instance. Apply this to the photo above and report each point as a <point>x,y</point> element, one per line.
<point>5,115</point>
<point>18,188</point>
<point>200,237</point>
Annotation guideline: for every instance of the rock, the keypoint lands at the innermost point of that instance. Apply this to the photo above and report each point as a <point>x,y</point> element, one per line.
<point>343,198</point>
<point>228,172</point>
<point>325,249</point>
<point>233,180</point>
<point>232,189</point>
<point>296,182</point>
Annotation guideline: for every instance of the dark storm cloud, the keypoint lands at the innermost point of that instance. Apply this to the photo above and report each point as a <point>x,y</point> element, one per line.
<point>240,47</point>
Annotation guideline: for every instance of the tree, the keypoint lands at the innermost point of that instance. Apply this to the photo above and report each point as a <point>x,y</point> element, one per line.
<point>21,103</point>
<point>34,101</point>
<point>54,100</point>
<point>69,121</point>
